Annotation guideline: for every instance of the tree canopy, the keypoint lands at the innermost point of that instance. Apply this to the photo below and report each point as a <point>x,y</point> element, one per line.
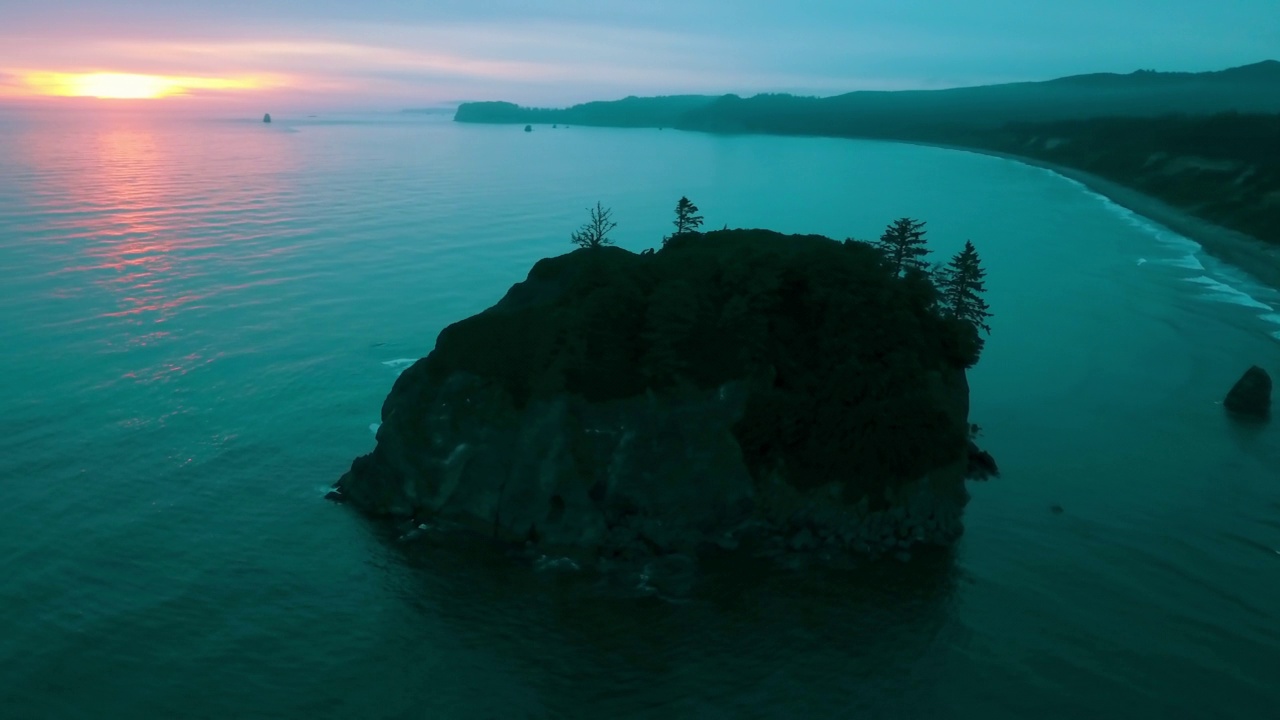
<point>904,245</point>
<point>962,284</point>
<point>846,360</point>
<point>687,217</point>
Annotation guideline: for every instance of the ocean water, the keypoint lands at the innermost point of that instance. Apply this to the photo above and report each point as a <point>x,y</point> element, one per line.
<point>200,320</point>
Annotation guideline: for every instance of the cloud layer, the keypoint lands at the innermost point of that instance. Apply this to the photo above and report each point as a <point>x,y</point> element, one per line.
<point>395,53</point>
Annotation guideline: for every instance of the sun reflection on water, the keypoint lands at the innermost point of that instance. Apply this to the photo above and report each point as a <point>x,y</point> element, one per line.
<point>160,231</point>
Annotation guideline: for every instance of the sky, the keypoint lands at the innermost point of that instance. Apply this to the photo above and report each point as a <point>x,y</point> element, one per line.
<point>394,54</point>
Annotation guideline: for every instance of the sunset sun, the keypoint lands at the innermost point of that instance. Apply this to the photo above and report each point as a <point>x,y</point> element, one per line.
<point>119,86</point>
<point>128,86</point>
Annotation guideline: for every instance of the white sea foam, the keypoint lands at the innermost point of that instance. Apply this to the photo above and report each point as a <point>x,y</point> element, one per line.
<point>1191,259</point>
<point>1239,278</point>
<point>1274,319</point>
<point>1174,241</point>
<point>1165,236</point>
<point>1187,262</point>
<point>1125,213</point>
<point>400,364</point>
<point>373,427</point>
<point>1221,292</point>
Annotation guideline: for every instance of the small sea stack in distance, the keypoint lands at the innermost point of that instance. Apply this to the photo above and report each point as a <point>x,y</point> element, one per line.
<point>267,118</point>
<point>1250,397</point>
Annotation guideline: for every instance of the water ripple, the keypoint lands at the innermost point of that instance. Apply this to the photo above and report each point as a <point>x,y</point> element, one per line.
<point>201,321</point>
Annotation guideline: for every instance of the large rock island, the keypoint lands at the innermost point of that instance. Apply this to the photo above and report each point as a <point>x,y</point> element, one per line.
<point>738,386</point>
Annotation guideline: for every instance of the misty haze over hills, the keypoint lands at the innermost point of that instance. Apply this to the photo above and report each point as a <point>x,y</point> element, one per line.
<point>1250,88</point>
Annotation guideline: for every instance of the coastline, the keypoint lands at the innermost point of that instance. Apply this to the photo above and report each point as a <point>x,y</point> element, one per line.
<point>1257,259</point>
<point>1252,256</point>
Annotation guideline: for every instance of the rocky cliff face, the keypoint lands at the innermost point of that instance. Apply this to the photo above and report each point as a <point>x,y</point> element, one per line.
<point>627,477</point>
<point>668,469</point>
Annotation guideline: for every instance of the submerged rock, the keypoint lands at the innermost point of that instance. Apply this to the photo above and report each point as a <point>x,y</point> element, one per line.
<point>1251,395</point>
<point>736,387</point>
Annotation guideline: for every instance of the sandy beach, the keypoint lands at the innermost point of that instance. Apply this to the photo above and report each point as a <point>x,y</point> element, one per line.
<point>1254,257</point>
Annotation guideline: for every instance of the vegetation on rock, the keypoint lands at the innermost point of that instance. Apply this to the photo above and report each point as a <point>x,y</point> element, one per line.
<point>848,362</point>
<point>962,283</point>
<point>595,232</point>
<point>904,245</point>
<point>687,218</point>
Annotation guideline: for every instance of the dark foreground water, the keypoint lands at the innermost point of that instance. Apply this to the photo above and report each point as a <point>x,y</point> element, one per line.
<point>200,321</point>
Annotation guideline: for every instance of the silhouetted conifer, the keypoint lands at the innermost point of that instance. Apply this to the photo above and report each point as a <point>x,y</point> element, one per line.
<point>687,217</point>
<point>904,245</point>
<point>962,288</point>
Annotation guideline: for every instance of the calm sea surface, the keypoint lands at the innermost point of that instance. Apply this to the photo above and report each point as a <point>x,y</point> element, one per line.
<point>200,319</point>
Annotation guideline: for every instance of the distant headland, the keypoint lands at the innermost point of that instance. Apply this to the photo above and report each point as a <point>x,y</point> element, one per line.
<point>1199,152</point>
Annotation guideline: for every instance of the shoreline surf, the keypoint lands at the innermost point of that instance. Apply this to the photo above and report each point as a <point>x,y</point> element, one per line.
<point>1248,254</point>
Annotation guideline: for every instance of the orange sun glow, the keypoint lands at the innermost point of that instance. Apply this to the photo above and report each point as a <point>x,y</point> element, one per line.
<point>126,86</point>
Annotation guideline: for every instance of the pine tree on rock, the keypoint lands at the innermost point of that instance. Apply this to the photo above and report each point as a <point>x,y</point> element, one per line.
<point>687,219</point>
<point>904,245</point>
<point>962,288</point>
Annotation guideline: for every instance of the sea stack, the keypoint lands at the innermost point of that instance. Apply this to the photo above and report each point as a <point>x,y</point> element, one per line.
<point>266,118</point>
<point>1250,397</point>
<point>528,128</point>
<point>730,388</point>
